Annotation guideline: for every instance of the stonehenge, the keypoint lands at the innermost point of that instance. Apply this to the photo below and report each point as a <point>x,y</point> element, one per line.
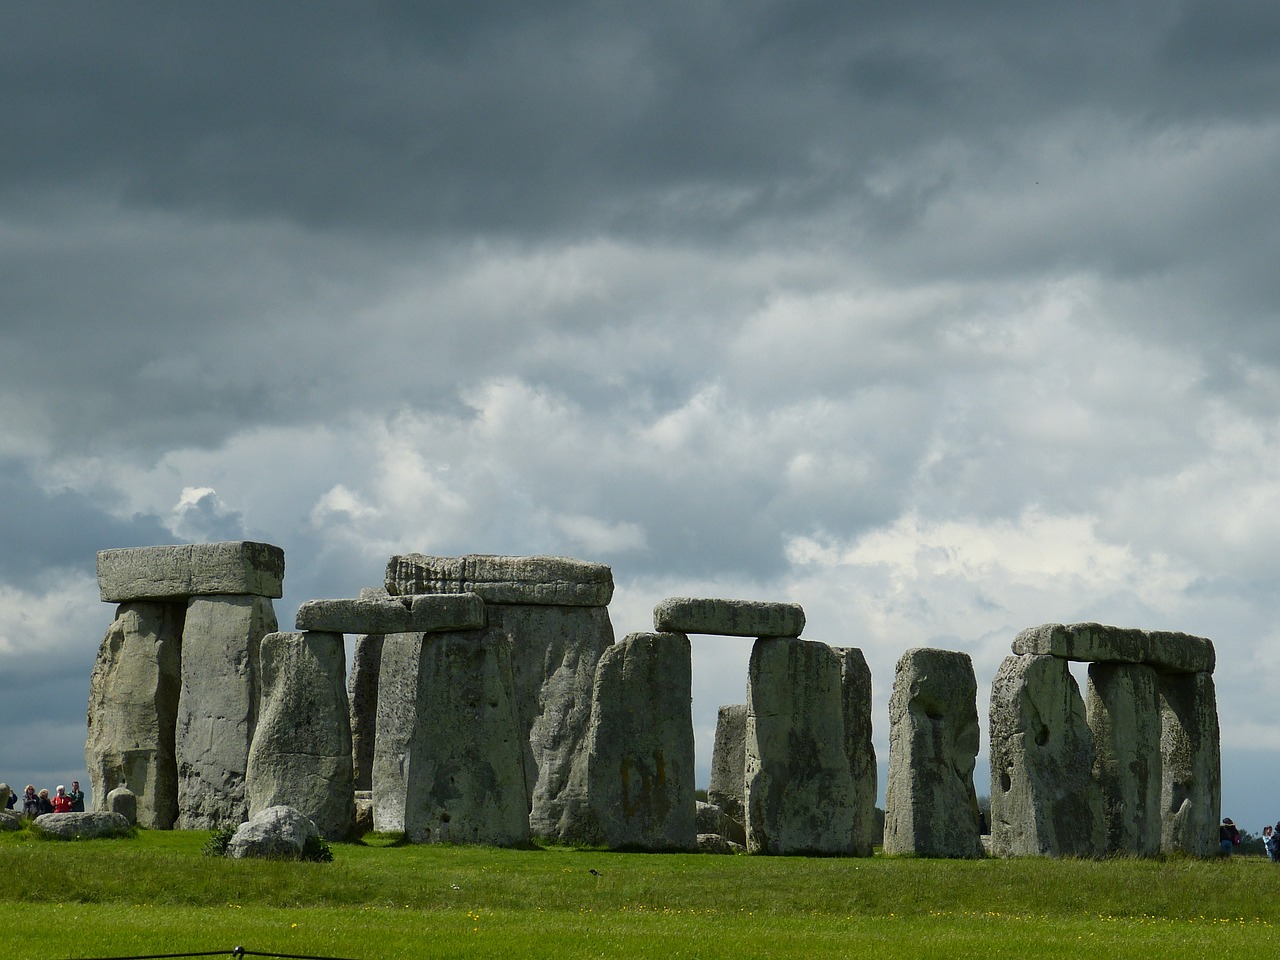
<point>488,702</point>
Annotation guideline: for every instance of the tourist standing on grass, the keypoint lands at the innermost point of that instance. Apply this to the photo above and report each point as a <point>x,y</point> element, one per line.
<point>77,797</point>
<point>30,802</point>
<point>61,802</point>
<point>1228,837</point>
<point>43,803</point>
<point>1269,840</point>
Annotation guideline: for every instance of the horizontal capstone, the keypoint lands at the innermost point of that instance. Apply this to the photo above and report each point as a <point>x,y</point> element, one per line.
<point>541,581</point>
<point>1096,643</point>
<point>420,613</point>
<point>728,618</point>
<point>190,570</point>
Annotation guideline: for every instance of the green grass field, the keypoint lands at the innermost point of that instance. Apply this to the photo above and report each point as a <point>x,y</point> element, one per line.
<point>155,893</point>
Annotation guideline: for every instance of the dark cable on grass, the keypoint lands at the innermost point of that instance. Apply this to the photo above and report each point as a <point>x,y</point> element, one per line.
<point>234,952</point>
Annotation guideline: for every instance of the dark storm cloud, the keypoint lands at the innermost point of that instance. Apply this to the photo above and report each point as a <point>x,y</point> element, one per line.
<point>42,532</point>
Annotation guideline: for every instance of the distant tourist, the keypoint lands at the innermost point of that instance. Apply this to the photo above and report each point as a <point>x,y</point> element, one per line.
<point>1228,837</point>
<point>61,803</point>
<point>43,802</point>
<point>1269,840</point>
<point>77,797</point>
<point>30,802</point>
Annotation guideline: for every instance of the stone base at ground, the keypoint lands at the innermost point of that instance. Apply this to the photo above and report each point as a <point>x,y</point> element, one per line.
<point>280,832</point>
<point>82,826</point>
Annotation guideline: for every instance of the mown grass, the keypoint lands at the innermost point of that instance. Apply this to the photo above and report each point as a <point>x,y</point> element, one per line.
<point>155,893</point>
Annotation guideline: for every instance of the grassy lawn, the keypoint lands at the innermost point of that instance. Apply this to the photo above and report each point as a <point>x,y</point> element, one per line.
<point>156,893</point>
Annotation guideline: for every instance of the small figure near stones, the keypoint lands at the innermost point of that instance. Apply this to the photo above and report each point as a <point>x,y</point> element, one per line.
<point>30,802</point>
<point>43,803</point>
<point>61,803</point>
<point>1269,839</point>
<point>77,797</point>
<point>1228,837</point>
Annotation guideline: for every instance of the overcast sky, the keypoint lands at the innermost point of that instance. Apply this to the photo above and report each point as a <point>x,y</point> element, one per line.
<point>942,320</point>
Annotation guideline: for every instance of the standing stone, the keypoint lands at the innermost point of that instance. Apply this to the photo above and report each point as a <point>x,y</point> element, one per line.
<point>362,694</point>
<point>633,787</point>
<point>931,808</point>
<point>123,801</point>
<point>855,692</point>
<point>397,718</point>
<point>301,751</point>
<point>133,709</point>
<point>798,792</point>
<point>1044,801</point>
<point>464,763</point>
<point>553,653</point>
<point>728,761</point>
<point>218,706</point>
<point>1191,763</point>
<point>1123,710</point>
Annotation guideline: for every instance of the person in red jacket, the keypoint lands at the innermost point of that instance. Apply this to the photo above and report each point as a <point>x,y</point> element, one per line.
<point>61,802</point>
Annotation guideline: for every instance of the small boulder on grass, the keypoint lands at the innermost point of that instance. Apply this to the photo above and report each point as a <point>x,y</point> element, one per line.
<point>280,832</point>
<point>10,820</point>
<point>82,826</point>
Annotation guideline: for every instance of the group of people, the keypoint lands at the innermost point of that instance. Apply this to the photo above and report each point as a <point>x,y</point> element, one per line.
<point>34,804</point>
<point>1229,838</point>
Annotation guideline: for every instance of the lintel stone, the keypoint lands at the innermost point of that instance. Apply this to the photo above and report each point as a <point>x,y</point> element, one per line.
<point>181,571</point>
<point>1095,643</point>
<point>421,613</point>
<point>728,618</point>
<point>537,581</point>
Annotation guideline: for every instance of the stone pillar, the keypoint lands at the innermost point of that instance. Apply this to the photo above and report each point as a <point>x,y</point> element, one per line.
<point>464,778</point>
<point>931,807</point>
<point>798,793</point>
<point>728,760</point>
<point>1122,706</point>
<point>1191,784</point>
<point>633,786</point>
<point>301,751</point>
<point>362,693</point>
<point>397,718</point>
<point>1044,800</point>
<point>855,691</point>
<point>133,707</point>
<point>218,706</point>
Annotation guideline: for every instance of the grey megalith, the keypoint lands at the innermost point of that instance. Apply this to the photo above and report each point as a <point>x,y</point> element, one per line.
<point>133,710</point>
<point>301,750</point>
<point>1044,800</point>
<point>728,618</point>
<point>728,761</point>
<point>931,807</point>
<point>855,693</point>
<point>186,570</point>
<point>1191,764</point>
<point>798,793</point>
<point>1123,709</point>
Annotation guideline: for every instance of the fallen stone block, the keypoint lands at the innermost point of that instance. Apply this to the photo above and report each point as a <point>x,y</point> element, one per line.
<point>429,613</point>
<point>187,570</point>
<point>10,820</point>
<point>555,581</point>
<point>1095,643</point>
<point>711,819</point>
<point>728,618</point>
<point>82,826</point>
<point>931,807</point>
<point>278,832</point>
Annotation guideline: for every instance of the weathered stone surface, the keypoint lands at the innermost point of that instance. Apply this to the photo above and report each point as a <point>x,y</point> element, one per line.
<point>10,820</point>
<point>709,818</point>
<point>633,786</point>
<point>728,761</point>
<point>1044,801</point>
<point>931,808</point>
<point>301,750</point>
<point>133,709</point>
<point>557,581</point>
<point>191,569</point>
<point>728,618</point>
<point>397,718</point>
<point>364,813</point>
<point>1122,706</point>
<point>278,831</point>
<point>464,763</point>
<point>1191,764</point>
<point>798,792</point>
<point>362,695</point>
<point>855,693</point>
<point>423,613</point>
<point>82,826</point>
<point>123,801</point>
<point>554,652</point>
<point>713,843</point>
<point>218,706</point>
<point>1093,642</point>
